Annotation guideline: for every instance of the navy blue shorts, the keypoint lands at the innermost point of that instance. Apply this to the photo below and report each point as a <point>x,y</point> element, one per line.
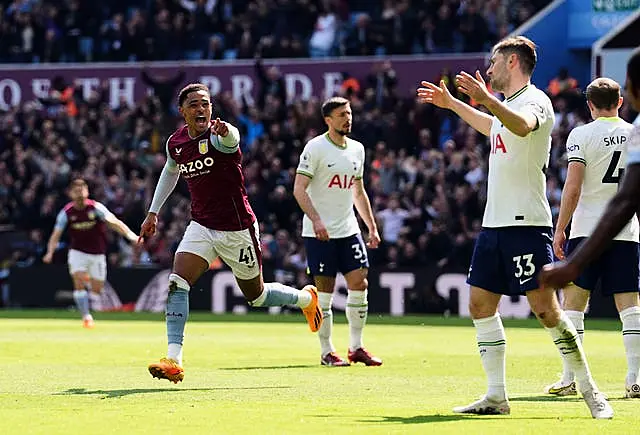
<point>507,260</point>
<point>336,255</point>
<point>616,268</point>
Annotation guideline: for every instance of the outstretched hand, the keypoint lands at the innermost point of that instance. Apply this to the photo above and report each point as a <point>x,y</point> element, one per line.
<point>474,87</point>
<point>220,128</point>
<point>434,94</point>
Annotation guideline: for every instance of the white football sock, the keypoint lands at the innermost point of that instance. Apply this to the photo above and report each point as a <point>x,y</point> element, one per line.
<point>304,299</point>
<point>631,337</point>
<point>577,318</point>
<point>324,333</point>
<point>357,310</point>
<point>566,339</point>
<point>492,345</point>
<point>175,352</point>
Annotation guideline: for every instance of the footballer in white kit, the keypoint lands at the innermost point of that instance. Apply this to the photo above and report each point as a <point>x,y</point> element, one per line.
<point>328,184</point>
<point>515,241</point>
<point>597,154</point>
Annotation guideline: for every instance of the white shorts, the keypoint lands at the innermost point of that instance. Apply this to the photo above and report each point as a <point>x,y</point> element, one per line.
<point>240,250</point>
<point>94,264</point>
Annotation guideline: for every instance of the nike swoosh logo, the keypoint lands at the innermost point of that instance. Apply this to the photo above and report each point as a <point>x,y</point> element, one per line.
<point>522,281</point>
<point>330,165</point>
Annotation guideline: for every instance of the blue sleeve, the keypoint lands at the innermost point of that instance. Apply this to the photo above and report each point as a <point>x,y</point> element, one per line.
<point>61,221</point>
<point>102,211</point>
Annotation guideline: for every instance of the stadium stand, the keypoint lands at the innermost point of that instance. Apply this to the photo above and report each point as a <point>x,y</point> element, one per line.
<point>426,171</point>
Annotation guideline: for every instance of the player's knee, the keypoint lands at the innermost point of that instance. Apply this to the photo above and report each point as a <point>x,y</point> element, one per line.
<point>545,311</point>
<point>360,284</point>
<point>357,281</point>
<point>480,309</point>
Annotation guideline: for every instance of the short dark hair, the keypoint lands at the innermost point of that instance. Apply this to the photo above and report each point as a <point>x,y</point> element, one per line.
<point>633,71</point>
<point>78,182</point>
<point>603,93</point>
<point>332,104</point>
<point>191,87</point>
<point>522,47</point>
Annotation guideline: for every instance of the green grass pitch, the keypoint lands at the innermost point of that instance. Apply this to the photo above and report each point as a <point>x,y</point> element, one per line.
<point>260,374</point>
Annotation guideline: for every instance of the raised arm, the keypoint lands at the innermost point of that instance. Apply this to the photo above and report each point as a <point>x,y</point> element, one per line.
<point>115,223</point>
<point>224,136</point>
<point>441,97</point>
<point>520,123</point>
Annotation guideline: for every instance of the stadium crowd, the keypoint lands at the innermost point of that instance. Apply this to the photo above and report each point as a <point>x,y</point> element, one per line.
<point>426,170</point>
<point>144,30</point>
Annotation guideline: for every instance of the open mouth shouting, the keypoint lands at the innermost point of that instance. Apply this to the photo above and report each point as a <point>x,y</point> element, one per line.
<point>201,122</point>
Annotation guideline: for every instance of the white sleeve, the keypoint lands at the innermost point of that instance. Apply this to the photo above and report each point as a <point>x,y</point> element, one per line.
<point>228,144</point>
<point>166,183</point>
<point>537,110</point>
<point>633,147</point>
<point>360,173</point>
<point>307,164</point>
<point>576,148</point>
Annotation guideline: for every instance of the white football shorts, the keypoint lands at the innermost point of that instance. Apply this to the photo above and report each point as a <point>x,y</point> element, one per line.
<point>240,250</point>
<point>94,264</point>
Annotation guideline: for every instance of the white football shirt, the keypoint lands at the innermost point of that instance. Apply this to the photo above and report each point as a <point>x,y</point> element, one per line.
<point>601,147</point>
<point>516,188</point>
<point>333,170</point>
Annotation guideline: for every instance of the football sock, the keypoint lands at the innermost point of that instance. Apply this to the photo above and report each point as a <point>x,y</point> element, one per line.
<point>577,318</point>
<point>277,295</point>
<point>492,345</point>
<point>631,337</point>
<point>566,339</point>
<point>324,333</point>
<point>176,315</point>
<point>357,310</point>
<point>81,298</point>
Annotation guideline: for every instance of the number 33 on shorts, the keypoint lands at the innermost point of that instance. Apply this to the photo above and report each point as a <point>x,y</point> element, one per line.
<point>524,267</point>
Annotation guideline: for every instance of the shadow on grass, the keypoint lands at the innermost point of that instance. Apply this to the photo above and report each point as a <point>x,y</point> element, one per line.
<point>545,398</point>
<point>111,394</point>
<point>444,418</point>
<point>561,399</point>
<point>298,366</point>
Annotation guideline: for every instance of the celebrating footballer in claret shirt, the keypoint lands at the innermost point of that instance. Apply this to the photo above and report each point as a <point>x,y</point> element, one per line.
<point>207,155</point>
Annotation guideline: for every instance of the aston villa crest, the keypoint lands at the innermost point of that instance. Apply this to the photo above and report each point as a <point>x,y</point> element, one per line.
<point>203,146</point>
<point>92,215</point>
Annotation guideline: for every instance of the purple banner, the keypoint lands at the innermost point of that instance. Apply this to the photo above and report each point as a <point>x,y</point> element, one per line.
<point>303,78</point>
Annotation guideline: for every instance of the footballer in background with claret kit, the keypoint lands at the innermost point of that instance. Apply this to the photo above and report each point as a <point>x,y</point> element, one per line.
<point>85,220</point>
